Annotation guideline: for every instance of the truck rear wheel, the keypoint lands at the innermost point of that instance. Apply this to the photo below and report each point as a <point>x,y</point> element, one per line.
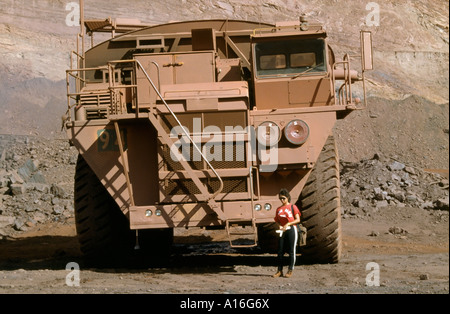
<point>103,230</point>
<point>320,205</point>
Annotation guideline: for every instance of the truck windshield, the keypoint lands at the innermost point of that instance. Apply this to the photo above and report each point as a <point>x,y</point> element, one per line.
<point>290,57</point>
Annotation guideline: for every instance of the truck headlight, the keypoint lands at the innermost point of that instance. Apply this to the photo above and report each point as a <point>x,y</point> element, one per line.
<point>268,133</point>
<point>296,132</point>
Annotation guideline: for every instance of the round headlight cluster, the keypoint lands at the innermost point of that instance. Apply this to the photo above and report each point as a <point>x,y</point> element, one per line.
<point>269,134</point>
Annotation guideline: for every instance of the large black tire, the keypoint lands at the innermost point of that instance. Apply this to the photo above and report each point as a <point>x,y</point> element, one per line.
<point>320,206</point>
<point>103,230</point>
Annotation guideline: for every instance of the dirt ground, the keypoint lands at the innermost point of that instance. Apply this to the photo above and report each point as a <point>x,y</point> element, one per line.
<point>410,247</point>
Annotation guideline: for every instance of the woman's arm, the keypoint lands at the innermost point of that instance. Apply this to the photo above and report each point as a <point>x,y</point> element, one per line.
<point>295,222</point>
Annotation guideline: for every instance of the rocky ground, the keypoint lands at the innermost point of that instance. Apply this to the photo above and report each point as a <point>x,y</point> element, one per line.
<point>372,184</point>
<point>36,182</point>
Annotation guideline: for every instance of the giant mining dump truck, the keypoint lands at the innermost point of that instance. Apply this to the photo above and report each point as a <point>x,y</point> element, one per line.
<point>200,124</point>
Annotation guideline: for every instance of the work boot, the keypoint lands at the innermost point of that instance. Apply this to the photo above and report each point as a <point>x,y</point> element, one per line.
<point>278,274</point>
<point>289,274</point>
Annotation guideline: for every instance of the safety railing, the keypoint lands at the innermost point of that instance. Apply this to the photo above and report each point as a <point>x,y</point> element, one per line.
<point>344,94</point>
<point>74,97</point>
<point>118,106</point>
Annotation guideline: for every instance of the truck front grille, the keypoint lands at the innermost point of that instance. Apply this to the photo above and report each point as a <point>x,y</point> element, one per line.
<point>186,186</point>
<point>231,157</point>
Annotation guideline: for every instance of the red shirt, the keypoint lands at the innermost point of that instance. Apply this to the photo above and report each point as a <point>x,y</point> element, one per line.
<point>285,215</point>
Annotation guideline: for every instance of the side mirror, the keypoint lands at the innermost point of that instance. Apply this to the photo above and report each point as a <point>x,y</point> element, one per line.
<point>366,51</point>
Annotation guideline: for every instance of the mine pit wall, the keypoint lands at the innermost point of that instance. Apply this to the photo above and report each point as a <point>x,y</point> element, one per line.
<point>427,73</point>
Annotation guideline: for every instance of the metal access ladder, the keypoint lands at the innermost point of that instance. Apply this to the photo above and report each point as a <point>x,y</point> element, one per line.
<point>253,232</point>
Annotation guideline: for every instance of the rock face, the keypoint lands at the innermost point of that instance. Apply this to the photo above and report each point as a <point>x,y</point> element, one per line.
<point>412,130</point>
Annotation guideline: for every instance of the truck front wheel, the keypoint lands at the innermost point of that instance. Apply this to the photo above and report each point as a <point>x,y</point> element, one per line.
<point>320,205</point>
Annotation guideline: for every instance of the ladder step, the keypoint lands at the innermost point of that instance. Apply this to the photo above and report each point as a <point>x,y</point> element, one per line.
<point>236,221</point>
<point>241,233</point>
<point>242,223</point>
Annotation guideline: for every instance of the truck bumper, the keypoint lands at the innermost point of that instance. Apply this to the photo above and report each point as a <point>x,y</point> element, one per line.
<point>198,214</point>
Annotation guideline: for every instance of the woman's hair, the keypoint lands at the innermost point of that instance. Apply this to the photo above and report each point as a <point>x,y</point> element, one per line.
<point>284,192</point>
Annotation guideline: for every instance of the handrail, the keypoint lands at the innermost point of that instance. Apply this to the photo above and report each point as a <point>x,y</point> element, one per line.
<point>182,128</point>
<point>346,86</point>
<point>159,74</point>
<point>348,78</point>
<point>78,80</point>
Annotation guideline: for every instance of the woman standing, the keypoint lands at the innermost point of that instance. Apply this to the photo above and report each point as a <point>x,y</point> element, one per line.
<point>287,217</point>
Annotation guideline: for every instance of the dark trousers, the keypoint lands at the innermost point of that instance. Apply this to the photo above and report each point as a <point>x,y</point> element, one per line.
<point>287,243</point>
